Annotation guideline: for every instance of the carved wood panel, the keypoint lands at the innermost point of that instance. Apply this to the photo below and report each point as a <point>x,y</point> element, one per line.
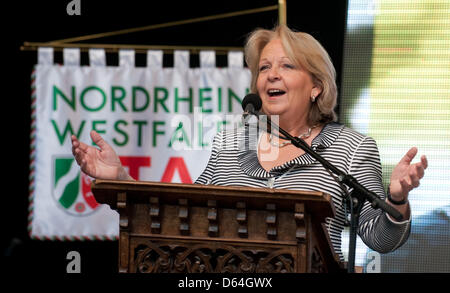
<point>158,257</point>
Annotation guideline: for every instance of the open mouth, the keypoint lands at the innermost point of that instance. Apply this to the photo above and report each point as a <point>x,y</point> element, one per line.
<point>275,92</point>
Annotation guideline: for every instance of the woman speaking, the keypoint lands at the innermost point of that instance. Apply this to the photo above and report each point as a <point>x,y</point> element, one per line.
<point>294,76</point>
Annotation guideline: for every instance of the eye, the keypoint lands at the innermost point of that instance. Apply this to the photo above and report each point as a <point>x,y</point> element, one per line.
<point>263,67</point>
<point>289,65</point>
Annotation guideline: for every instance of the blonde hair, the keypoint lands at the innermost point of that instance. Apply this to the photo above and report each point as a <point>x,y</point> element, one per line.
<point>306,52</point>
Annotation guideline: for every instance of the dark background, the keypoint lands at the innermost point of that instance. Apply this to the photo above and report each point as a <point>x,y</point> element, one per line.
<point>42,21</point>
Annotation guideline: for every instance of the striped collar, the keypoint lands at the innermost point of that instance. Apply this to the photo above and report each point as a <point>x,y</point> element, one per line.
<point>248,157</point>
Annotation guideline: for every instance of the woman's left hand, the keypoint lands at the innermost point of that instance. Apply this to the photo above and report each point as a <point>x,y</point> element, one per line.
<point>406,176</point>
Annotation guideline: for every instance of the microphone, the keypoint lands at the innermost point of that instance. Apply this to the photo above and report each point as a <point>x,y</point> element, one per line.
<point>251,104</point>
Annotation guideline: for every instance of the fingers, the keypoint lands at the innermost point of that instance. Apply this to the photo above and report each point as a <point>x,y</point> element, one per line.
<point>79,156</point>
<point>419,171</point>
<point>98,140</point>
<point>424,161</point>
<point>409,156</point>
<point>407,176</point>
<point>79,151</point>
<point>414,176</point>
<point>76,144</point>
<point>415,173</point>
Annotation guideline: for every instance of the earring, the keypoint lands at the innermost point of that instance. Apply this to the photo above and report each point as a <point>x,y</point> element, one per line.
<point>313,99</point>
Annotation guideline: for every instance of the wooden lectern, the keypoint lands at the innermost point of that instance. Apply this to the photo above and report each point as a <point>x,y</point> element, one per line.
<point>187,228</point>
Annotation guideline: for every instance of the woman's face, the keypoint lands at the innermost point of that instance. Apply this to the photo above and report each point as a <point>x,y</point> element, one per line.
<point>284,88</point>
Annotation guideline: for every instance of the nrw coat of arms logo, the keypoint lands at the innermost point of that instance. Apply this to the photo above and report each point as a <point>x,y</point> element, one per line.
<point>72,188</point>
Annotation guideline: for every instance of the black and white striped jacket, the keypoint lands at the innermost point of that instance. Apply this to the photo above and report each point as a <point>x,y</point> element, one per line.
<point>232,164</point>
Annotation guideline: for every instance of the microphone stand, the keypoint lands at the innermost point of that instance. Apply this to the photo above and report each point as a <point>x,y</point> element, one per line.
<point>358,195</point>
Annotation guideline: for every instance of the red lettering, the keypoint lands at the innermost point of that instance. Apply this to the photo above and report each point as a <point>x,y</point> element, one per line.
<point>176,163</point>
<point>134,163</point>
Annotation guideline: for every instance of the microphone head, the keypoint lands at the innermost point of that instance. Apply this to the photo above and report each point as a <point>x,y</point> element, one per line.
<point>252,99</point>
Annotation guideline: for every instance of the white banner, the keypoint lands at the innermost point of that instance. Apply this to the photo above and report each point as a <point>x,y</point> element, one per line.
<point>160,121</point>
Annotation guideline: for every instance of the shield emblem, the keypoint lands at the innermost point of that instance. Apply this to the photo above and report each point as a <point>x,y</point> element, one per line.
<point>72,188</point>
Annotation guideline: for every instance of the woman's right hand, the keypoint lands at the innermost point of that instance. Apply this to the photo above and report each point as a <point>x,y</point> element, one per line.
<point>102,162</point>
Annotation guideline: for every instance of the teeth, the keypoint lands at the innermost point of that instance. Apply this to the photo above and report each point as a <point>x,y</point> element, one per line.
<point>275,91</point>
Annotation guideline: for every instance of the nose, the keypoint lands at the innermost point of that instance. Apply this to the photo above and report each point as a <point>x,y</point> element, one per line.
<point>273,74</point>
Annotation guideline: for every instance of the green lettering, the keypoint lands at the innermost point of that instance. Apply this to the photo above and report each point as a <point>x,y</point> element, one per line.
<point>183,99</point>
<point>219,101</point>
<point>160,100</point>
<point>139,125</point>
<point>124,134</point>
<point>91,88</point>
<point>135,89</point>
<point>202,99</point>
<point>117,99</point>
<point>68,130</point>
<point>156,131</point>
<point>95,123</point>
<point>180,135</point>
<point>57,92</point>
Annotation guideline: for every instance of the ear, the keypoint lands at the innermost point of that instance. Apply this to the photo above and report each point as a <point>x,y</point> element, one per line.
<point>316,91</point>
